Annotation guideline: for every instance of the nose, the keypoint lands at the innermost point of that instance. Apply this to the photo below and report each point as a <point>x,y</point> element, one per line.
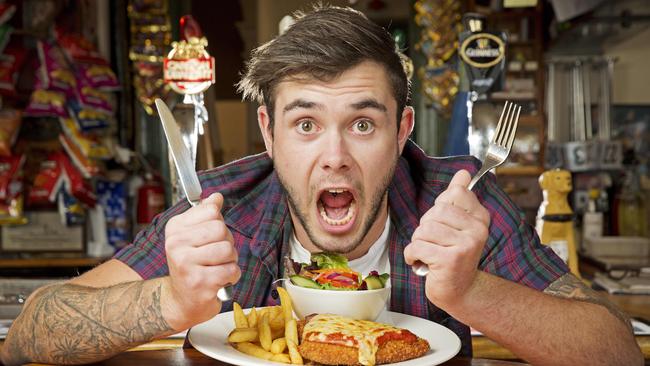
<point>336,154</point>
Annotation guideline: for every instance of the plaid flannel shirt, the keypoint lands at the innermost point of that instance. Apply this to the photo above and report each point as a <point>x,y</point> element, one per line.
<point>256,211</point>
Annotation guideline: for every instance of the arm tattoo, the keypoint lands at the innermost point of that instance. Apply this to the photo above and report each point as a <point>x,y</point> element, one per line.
<point>570,287</point>
<point>72,324</point>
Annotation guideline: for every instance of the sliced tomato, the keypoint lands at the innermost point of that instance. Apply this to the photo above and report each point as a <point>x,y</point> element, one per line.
<point>338,277</point>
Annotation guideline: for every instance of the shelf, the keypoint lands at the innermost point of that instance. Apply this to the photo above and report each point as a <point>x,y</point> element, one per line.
<point>531,120</point>
<point>513,13</point>
<point>520,170</point>
<point>50,262</point>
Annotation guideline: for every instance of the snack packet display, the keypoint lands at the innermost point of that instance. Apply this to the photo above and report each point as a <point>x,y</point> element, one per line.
<point>112,196</point>
<point>46,103</point>
<point>47,182</point>
<point>10,120</point>
<point>74,182</point>
<point>71,210</point>
<point>88,167</point>
<point>89,146</point>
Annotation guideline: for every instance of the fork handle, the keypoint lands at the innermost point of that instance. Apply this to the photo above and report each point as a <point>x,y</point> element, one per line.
<point>421,269</point>
<point>481,172</point>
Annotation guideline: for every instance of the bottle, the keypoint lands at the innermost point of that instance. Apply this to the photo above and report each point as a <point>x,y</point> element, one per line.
<point>592,220</point>
<point>631,208</point>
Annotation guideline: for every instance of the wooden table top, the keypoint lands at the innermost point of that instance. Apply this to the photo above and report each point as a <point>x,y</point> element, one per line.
<point>192,357</point>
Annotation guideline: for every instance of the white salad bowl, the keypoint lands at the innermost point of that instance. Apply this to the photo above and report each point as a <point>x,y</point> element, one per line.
<point>360,304</point>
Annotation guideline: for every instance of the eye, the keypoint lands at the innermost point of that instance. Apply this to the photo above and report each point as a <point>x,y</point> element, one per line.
<point>363,127</point>
<point>306,127</point>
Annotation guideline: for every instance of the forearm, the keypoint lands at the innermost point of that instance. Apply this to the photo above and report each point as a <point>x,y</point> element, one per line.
<point>71,324</point>
<point>545,329</point>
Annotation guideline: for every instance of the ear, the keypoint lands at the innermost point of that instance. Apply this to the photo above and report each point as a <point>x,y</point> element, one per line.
<point>405,127</point>
<point>264,121</point>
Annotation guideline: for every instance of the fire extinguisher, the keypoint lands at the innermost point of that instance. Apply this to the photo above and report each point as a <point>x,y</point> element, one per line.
<point>151,200</point>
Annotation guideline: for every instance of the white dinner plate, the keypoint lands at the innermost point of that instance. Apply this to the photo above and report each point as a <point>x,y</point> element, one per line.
<point>210,338</point>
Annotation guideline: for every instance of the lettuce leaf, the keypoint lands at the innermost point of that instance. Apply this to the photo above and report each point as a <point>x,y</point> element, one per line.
<point>330,260</point>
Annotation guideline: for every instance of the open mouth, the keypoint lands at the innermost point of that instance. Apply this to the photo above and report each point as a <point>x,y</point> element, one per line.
<point>337,206</point>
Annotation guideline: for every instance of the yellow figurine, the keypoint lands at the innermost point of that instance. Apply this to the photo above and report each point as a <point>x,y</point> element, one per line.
<point>555,217</point>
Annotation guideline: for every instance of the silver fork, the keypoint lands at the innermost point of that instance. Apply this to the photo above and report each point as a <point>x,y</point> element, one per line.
<point>497,153</point>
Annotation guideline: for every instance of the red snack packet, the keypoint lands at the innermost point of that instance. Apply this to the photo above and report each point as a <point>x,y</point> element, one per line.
<point>6,12</point>
<point>78,48</point>
<point>93,98</point>
<point>46,103</point>
<point>54,72</point>
<point>87,167</point>
<point>47,183</point>
<point>74,182</point>
<point>10,120</point>
<point>10,168</point>
<point>10,64</point>
<point>11,190</point>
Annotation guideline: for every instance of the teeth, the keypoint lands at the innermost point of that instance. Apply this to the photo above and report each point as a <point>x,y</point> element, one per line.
<point>342,221</point>
<point>336,190</point>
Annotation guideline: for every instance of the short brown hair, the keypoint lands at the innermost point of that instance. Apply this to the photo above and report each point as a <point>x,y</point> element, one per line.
<point>323,44</point>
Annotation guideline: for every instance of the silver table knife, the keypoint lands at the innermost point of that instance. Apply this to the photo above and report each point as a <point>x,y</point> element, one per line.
<point>185,167</point>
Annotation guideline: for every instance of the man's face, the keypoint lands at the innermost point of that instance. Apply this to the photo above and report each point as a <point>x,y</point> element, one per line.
<point>335,146</point>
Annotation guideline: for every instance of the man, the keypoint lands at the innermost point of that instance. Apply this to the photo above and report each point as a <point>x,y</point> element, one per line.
<point>339,175</point>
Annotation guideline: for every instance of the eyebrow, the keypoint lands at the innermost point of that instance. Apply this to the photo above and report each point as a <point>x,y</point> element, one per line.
<point>370,103</point>
<point>301,103</point>
<point>364,104</point>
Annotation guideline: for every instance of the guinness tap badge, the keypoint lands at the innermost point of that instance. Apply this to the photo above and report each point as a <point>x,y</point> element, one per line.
<point>482,50</point>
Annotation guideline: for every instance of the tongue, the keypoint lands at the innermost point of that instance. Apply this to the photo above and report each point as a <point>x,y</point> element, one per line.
<point>336,205</point>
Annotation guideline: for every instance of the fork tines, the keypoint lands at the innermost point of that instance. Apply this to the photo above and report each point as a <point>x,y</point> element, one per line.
<point>505,132</point>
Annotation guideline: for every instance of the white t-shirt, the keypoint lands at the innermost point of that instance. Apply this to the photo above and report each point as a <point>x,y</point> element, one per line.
<point>375,260</point>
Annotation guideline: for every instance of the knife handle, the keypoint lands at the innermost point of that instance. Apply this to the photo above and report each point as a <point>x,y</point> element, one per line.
<point>225,293</point>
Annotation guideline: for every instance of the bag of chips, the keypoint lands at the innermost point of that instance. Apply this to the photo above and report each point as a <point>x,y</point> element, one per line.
<point>47,182</point>
<point>90,146</point>
<point>74,182</point>
<point>99,77</point>
<point>71,210</point>
<point>112,196</point>
<point>88,167</point>
<point>11,190</point>
<point>54,72</point>
<point>10,120</point>
<point>46,103</point>
<point>10,63</point>
<point>89,120</point>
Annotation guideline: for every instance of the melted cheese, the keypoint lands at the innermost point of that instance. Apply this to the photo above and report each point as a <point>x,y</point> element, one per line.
<point>349,332</point>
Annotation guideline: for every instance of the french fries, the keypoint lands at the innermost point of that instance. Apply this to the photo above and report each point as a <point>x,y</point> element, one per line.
<point>239,335</point>
<point>278,345</point>
<point>264,331</point>
<point>269,333</point>
<point>240,318</point>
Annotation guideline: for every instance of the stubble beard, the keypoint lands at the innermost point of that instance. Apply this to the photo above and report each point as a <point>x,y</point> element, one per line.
<point>379,196</point>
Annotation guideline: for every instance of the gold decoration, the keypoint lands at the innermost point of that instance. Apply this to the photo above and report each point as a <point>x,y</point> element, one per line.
<point>441,23</point>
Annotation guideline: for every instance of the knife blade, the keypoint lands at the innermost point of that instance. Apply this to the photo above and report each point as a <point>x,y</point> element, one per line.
<point>185,167</point>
